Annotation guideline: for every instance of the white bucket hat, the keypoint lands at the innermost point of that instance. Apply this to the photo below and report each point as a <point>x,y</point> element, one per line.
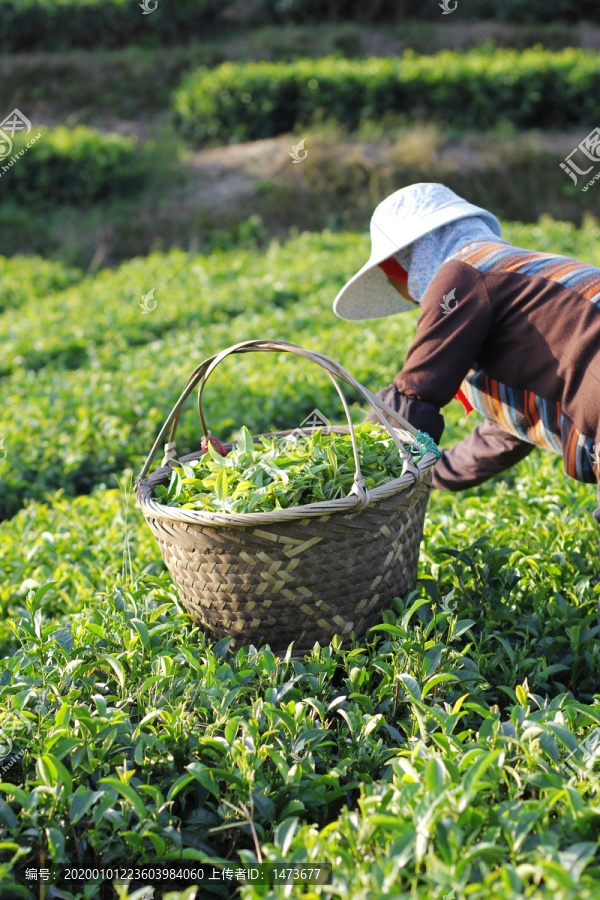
<point>400,220</point>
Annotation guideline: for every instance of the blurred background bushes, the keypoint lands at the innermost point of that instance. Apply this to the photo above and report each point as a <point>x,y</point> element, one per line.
<point>58,24</point>
<point>174,129</point>
<point>77,165</point>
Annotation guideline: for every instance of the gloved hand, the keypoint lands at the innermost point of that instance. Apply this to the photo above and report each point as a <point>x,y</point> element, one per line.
<point>387,394</point>
<point>422,415</point>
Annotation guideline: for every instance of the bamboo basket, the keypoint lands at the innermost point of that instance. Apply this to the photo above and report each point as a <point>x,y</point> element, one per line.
<point>302,574</point>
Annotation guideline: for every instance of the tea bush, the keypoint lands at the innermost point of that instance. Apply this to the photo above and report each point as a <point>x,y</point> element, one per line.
<point>56,24</point>
<point>77,165</point>
<point>532,89</point>
<point>31,278</point>
<point>47,25</point>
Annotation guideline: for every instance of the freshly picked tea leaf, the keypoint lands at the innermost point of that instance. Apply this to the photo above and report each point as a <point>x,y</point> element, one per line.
<point>278,473</point>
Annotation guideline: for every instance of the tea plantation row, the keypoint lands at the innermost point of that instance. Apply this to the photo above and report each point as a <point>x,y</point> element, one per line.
<point>77,165</point>
<point>88,377</point>
<point>56,24</point>
<point>247,101</point>
<point>478,89</point>
<point>123,82</point>
<point>425,760</point>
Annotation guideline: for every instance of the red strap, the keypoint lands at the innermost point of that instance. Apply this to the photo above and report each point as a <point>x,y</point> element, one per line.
<point>460,395</point>
<point>216,444</point>
<point>393,269</point>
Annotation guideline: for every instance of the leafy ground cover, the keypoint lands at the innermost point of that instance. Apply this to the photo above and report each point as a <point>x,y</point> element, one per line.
<point>31,278</point>
<point>88,362</point>
<point>423,761</point>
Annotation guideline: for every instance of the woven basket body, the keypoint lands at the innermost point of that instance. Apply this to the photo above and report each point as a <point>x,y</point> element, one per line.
<point>301,579</point>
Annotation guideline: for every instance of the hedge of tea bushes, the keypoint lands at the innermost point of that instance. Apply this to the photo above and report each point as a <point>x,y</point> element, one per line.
<point>72,165</point>
<point>31,279</point>
<point>123,81</point>
<point>203,296</point>
<point>531,89</point>
<point>511,11</point>
<point>58,24</point>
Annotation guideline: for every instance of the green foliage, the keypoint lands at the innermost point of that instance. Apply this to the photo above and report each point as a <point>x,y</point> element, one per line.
<point>427,756</point>
<point>533,89</point>
<point>78,165</point>
<point>31,278</point>
<point>94,378</point>
<point>282,472</point>
<point>530,12</point>
<point>428,761</point>
<point>56,24</point>
<point>512,11</point>
<point>424,761</point>
<point>59,24</point>
<point>124,82</point>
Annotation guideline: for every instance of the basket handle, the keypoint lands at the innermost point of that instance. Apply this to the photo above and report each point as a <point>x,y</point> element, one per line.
<point>335,371</point>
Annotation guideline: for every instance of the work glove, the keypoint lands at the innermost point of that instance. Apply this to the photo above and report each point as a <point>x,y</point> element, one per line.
<point>421,415</point>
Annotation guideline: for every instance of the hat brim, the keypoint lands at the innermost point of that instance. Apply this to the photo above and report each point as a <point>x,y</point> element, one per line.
<point>368,294</point>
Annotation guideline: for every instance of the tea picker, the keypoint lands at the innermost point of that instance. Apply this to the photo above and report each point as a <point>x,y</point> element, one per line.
<point>512,333</point>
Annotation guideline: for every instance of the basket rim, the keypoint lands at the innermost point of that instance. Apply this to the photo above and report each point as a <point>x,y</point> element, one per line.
<point>152,508</point>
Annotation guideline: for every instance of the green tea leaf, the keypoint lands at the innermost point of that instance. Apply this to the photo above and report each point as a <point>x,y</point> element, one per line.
<point>128,793</point>
<point>245,444</point>
<point>221,485</point>
<point>81,801</point>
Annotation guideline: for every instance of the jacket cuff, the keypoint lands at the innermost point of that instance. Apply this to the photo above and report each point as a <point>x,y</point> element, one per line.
<point>422,415</point>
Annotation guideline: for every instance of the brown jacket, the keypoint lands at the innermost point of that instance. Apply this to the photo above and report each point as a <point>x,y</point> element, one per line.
<point>519,333</point>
